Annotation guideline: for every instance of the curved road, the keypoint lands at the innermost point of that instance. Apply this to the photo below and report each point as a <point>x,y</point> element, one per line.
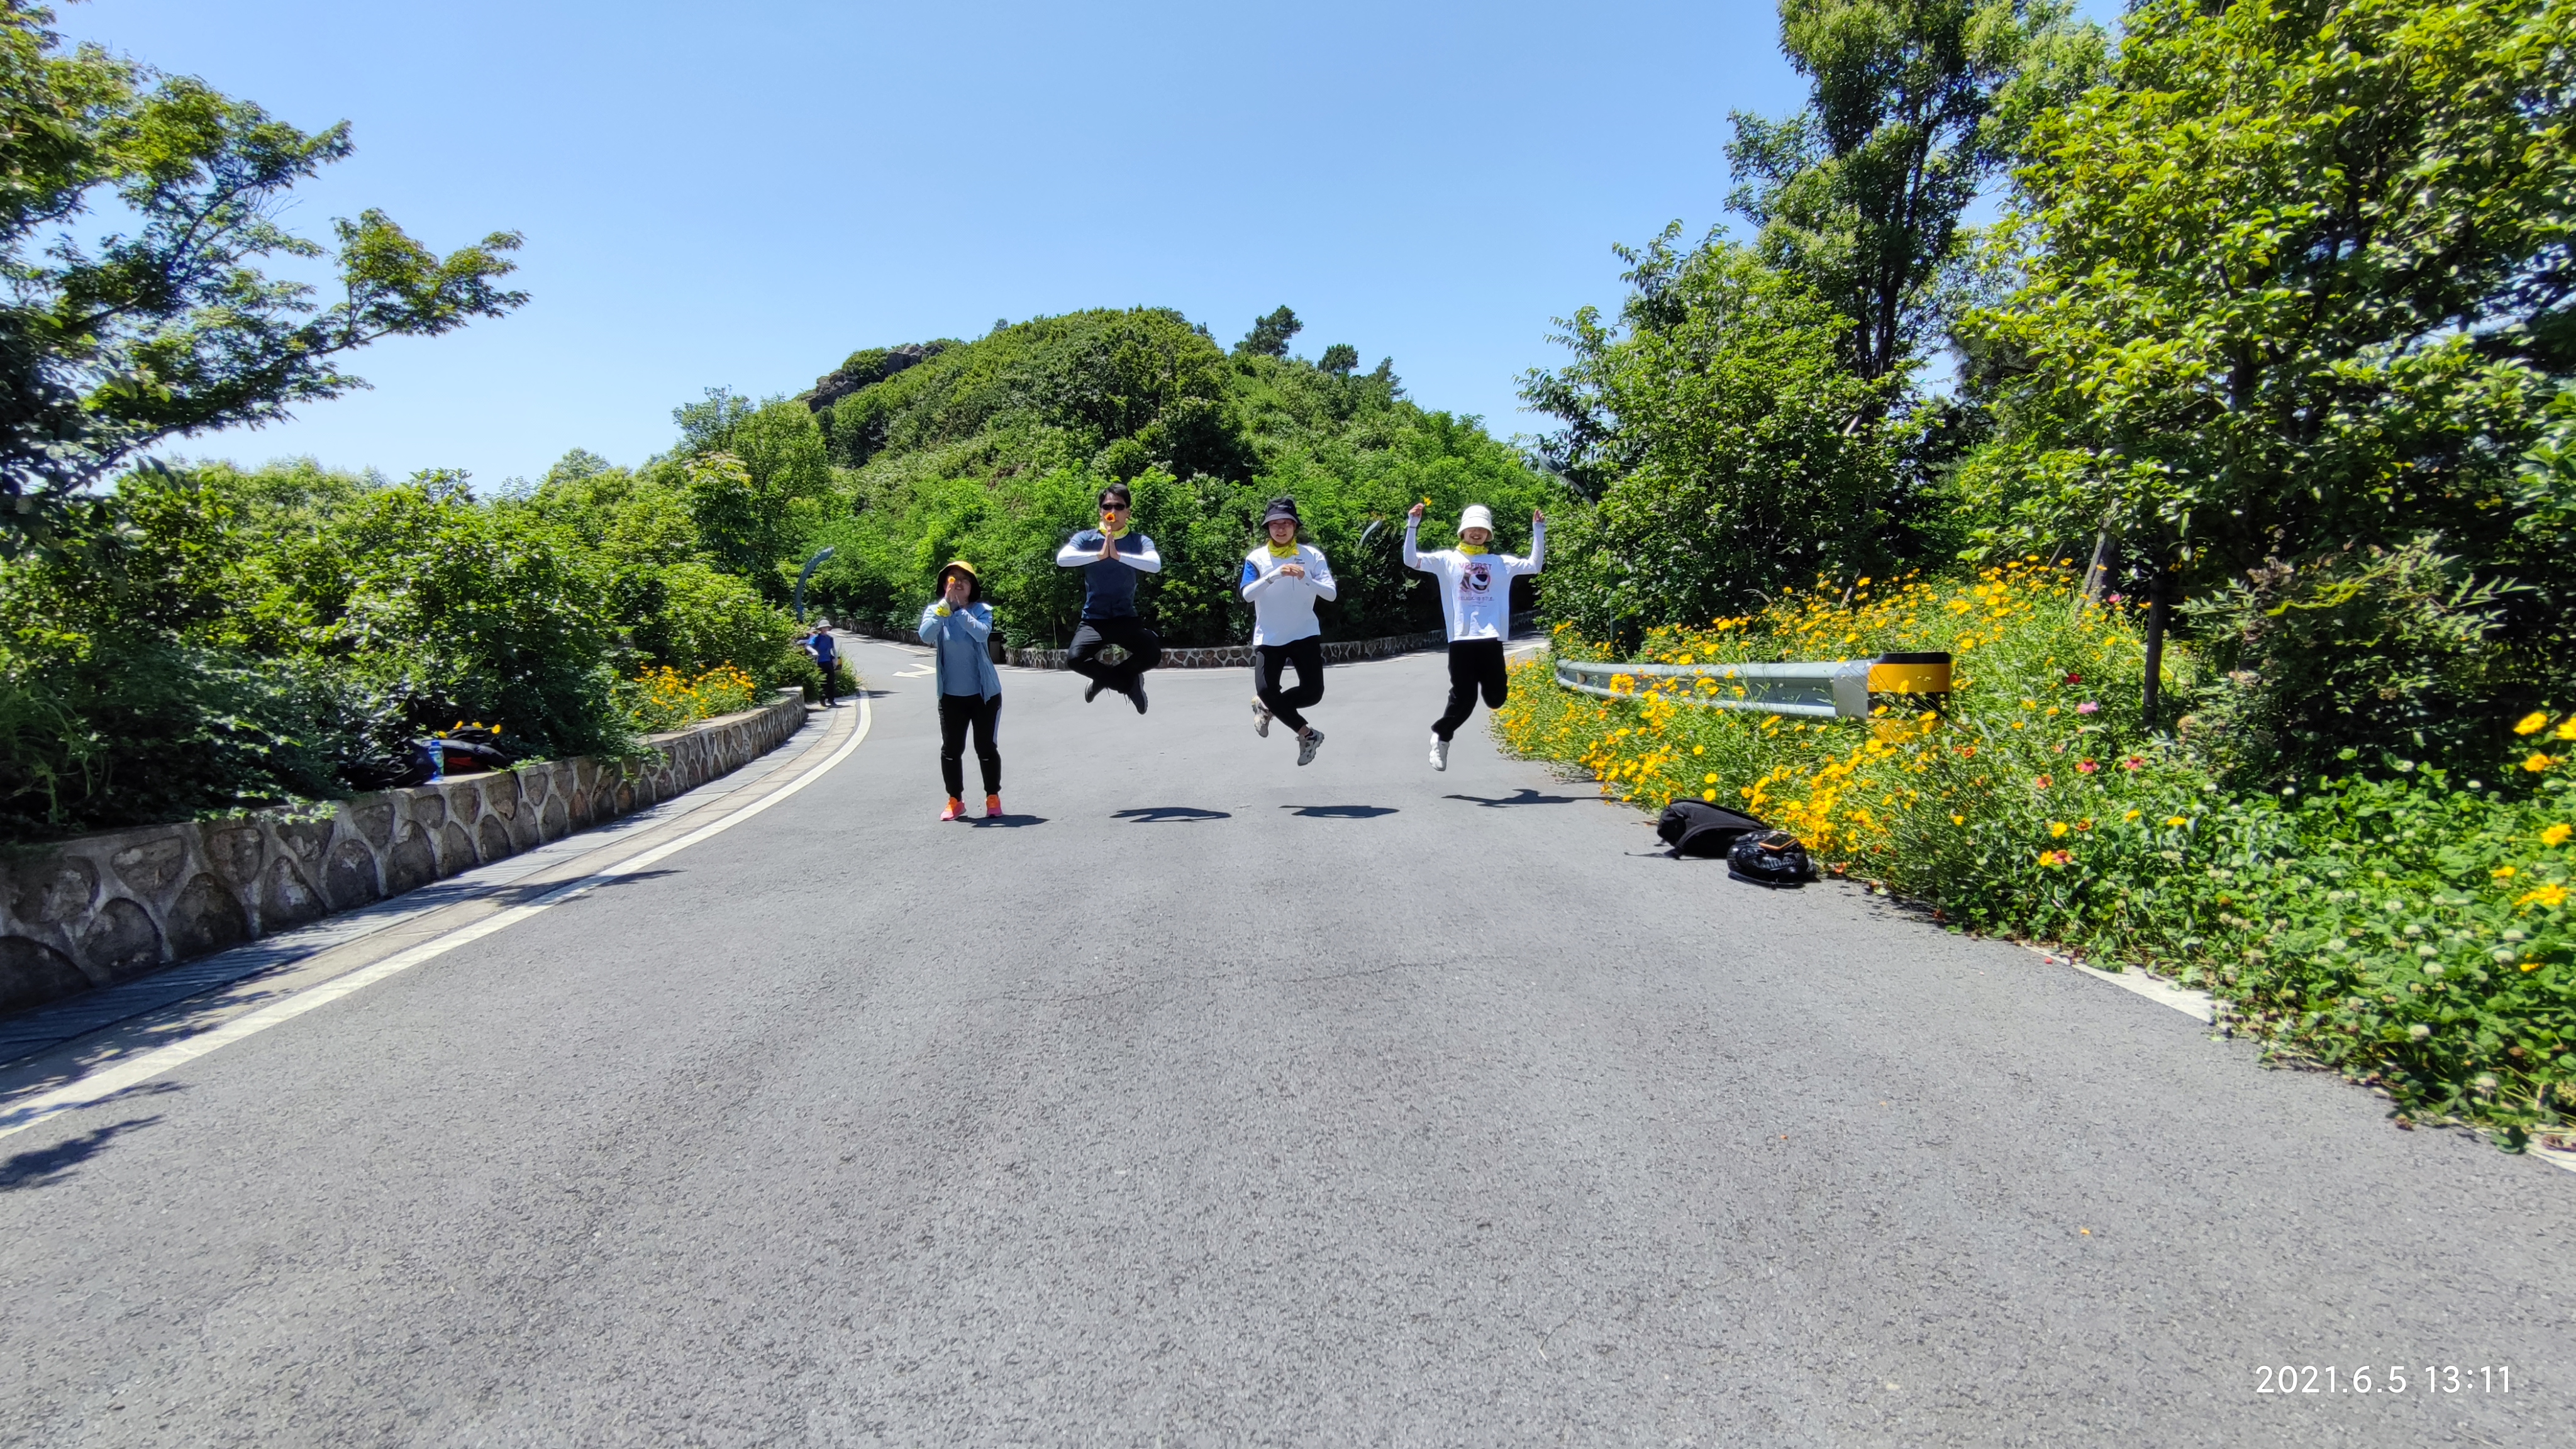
<point>1214,1101</point>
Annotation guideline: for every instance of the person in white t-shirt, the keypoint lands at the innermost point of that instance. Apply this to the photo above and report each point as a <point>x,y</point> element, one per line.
<point>1282,578</point>
<point>1476,605</point>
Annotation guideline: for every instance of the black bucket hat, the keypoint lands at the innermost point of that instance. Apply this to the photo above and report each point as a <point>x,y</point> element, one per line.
<point>1281,507</point>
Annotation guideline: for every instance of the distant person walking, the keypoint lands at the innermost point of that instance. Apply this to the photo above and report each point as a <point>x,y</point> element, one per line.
<point>826,655</point>
<point>1476,605</point>
<point>1110,558</point>
<point>1282,579</point>
<point>956,626</point>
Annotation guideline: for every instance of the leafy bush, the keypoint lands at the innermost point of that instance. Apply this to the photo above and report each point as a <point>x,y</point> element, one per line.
<point>661,700</point>
<point>2410,931</point>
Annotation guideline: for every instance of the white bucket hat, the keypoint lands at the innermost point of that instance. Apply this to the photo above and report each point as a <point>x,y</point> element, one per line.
<point>1476,516</point>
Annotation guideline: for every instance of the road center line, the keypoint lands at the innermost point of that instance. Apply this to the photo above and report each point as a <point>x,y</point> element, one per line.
<point>107,1082</point>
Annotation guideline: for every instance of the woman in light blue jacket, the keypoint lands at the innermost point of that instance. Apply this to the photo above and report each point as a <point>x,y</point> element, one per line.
<point>957,625</point>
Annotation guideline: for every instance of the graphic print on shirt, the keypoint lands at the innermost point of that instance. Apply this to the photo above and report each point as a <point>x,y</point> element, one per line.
<point>1475,580</point>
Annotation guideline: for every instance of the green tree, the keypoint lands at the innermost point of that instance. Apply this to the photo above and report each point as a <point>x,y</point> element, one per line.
<point>1269,335</point>
<point>165,325</point>
<point>1734,452</point>
<point>2298,281</point>
<point>1914,105</point>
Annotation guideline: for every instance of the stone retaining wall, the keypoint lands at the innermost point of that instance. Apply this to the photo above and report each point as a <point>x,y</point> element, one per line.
<point>101,909</point>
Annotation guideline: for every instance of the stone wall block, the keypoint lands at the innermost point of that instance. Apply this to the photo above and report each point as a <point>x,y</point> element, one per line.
<point>493,840</point>
<point>150,867</point>
<point>555,822</point>
<point>411,863</point>
<point>33,973</point>
<point>456,850</point>
<point>371,819</point>
<point>206,916</point>
<point>306,842</point>
<point>236,852</point>
<point>53,891</point>
<point>121,943</point>
<point>353,878</point>
<point>286,898</point>
<point>428,808</point>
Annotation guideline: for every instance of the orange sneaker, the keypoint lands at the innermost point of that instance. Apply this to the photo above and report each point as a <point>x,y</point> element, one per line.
<point>956,809</point>
<point>992,807</point>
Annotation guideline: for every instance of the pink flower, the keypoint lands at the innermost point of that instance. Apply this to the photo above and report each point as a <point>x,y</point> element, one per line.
<point>2042,782</point>
<point>2087,766</point>
<point>2133,762</point>
<point>2088,707</point>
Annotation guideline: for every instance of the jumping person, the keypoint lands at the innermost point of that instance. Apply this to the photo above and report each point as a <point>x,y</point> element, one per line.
<point>1110,558</point>
<point>1282,579</point>
<point>826,655</point>
<point>1476,605</point>
<point>956,625</point>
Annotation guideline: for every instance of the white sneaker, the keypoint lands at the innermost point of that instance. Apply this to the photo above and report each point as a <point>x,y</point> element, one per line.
<point>1261,719</point>
<point>1439,753</point>
<point>1309,740</point>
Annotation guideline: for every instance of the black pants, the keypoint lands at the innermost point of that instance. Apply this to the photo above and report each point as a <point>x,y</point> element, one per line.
<point>831,678</point>
<point>1271,661</point>
<point>956,712</point>
<point>1473,664</point>
<point>1144,650</point>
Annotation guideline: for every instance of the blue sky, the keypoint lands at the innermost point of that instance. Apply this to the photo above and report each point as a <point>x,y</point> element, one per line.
<point>741,194</point>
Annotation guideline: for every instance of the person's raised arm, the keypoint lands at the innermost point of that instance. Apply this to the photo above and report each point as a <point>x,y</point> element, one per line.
<point>1073,555</point>
<point>976,620</point>
<point>1412,526</point>
<point>1144,560</point>
<point>1538,545</point>
<point>930,622</point>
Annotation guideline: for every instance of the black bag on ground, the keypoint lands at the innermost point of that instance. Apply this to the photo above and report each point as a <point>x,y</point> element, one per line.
<point>1769,858</point>
<point>1692,828</point>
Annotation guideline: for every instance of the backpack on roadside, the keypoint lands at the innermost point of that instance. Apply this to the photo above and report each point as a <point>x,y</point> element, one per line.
<point>1692,828</point>
<point>1769,858</point>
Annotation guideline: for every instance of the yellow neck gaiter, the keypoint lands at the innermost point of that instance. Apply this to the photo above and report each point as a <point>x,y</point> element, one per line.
<point>1473,549</point>
<point>1113,530</point>
<point>1283,550</point>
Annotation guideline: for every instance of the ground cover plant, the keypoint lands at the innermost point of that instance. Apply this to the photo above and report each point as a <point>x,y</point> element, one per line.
<point>2403,923</point>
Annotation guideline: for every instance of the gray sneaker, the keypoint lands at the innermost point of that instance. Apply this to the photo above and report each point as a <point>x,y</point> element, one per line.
<point>1261,719</point>
<point>1439,753</point>
<point>1309,740</point>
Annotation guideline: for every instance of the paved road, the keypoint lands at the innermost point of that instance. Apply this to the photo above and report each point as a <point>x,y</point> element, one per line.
<point>1214,1101</point>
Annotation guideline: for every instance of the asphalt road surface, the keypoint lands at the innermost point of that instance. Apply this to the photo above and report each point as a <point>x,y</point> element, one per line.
<point>1210,1100</point>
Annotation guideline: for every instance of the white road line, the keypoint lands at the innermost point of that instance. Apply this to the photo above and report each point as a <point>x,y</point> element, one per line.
<point>105,1083</point>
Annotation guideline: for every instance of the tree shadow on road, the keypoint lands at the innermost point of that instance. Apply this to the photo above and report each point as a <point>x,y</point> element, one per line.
<point>49,1165</point>
<point>1523,796</point>
<point>1340,812</point>
<point>1169,814</point>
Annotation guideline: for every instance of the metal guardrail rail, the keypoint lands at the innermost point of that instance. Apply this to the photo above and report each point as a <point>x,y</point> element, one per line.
<point>1826,689</point>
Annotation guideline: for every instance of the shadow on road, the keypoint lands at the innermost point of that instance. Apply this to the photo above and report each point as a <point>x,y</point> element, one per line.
<point>1340,812</point>
<point>50,1165</point>
<point>1523,796</point>
<point>1166,814</point>
<point>1005,822</point>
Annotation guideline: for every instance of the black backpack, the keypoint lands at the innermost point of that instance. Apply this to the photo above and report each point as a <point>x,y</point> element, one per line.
<point>1769,858</point>
<point>1692,828</point>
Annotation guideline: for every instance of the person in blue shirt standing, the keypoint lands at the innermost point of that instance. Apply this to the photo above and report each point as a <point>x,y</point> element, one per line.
<point>957,625</point>
<point>826,655</point>
<point>1110,558</point>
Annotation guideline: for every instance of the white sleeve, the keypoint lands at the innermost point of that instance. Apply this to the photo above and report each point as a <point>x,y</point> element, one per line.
<point>1145,561</point>
<point>1412,556</point>
<point>1073,555</point>
<point>1319,575</point>
<point>1537,554</point>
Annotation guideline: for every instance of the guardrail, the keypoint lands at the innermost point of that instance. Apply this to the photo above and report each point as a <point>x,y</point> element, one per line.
<point>1826,689</point>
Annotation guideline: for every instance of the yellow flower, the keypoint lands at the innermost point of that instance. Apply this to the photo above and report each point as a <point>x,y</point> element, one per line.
<point>2132,815</point>
<point>2538,762</point>
<point>2566,728</point>
<point>1710,795</point>
<point>2555,835</point>
<point>2532,723</point>
<point>2030,704</point>
<point>2502,872</point>
<point>2176,820</point>
<point>1958,819</point>
<point>2552,895</point>
<point>1711,780</point>
<point>2057,829</point>
<point>2530,965</point>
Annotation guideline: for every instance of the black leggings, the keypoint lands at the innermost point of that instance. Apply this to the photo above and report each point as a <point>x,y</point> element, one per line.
<point>1473,664</point>
<point>1271,661</point>
<point>1144,650</point>
<point>956,712</point>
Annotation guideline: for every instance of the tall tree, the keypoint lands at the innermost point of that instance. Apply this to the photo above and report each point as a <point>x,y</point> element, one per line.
<point>165,326</point>
<point>1914,105</point>
<point>1269,335</point>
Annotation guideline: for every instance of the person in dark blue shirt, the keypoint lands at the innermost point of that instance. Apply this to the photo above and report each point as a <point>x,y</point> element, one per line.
<point>827,657</point>
<point>1110,558</point>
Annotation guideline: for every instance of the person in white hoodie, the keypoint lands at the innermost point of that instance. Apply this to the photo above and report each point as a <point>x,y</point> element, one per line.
<point>1476,605</point>
<point>1282,579</point>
